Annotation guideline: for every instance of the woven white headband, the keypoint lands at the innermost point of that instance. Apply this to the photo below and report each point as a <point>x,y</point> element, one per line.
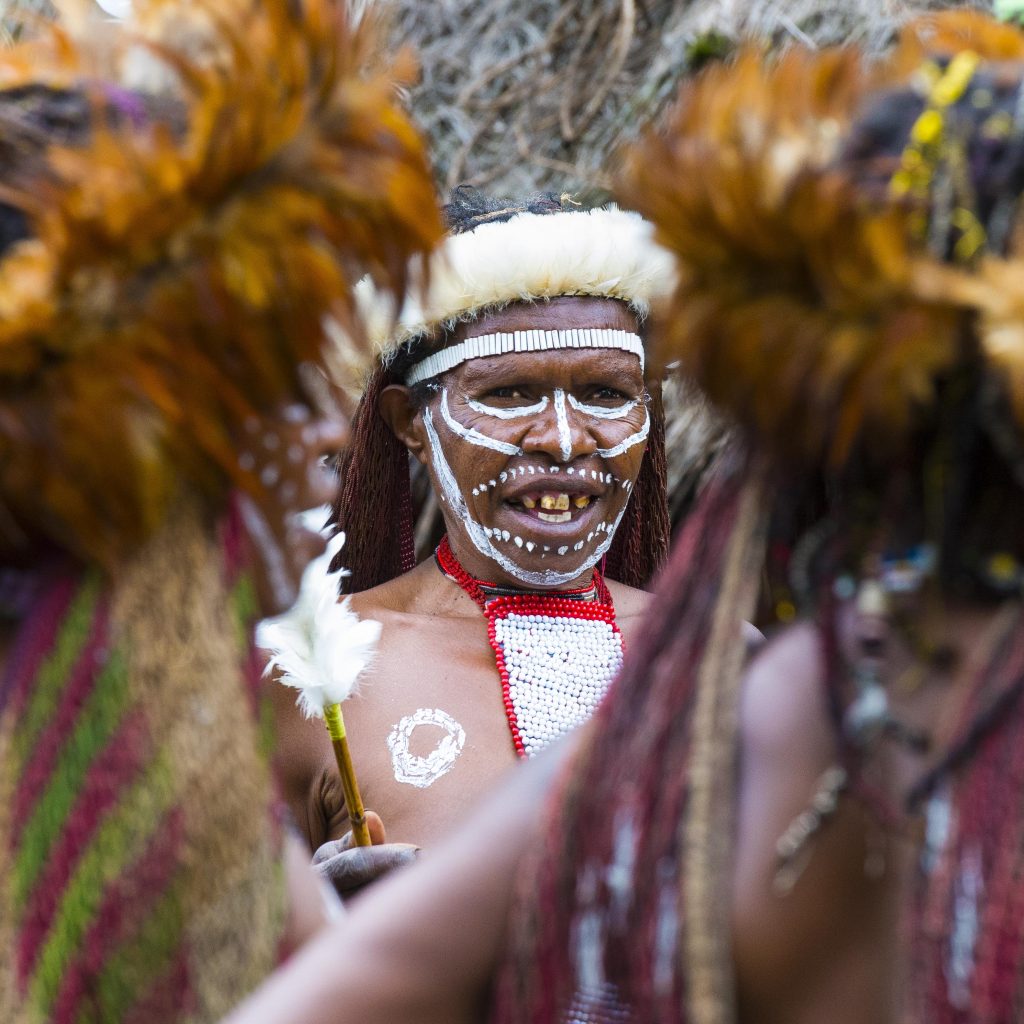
<point>523,341</point>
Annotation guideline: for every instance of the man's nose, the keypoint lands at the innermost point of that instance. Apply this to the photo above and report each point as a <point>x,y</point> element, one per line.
<point>560,432</point>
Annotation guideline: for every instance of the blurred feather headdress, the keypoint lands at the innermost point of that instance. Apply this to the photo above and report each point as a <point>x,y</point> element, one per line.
<point>831,272</point>
<point>182,245</point>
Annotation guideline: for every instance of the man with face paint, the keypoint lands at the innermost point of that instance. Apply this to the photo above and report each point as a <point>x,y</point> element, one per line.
<point>519,383</point>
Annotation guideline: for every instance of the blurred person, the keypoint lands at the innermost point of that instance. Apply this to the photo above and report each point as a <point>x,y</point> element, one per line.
<point>169,265</point>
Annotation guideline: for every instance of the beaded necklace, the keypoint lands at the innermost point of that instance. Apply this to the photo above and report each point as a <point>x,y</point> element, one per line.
<point>556,652</point>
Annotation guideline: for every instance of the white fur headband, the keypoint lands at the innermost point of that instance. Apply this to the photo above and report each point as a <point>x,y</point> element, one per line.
<point>608,253</point>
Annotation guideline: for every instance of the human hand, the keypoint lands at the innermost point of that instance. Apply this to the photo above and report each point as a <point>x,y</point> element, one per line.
<point>350,868</point>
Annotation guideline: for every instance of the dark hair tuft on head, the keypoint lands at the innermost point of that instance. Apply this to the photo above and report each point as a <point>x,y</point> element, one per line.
<point>467,207</point>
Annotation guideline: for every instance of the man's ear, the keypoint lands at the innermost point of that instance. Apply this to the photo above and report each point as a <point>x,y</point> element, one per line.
<point>401,414</point>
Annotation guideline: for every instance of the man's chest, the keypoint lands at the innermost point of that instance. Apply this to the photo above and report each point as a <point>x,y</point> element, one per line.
<point>429,731</point>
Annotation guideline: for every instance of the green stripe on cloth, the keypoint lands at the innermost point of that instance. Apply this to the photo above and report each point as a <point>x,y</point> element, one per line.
<point>142,960</point>
<point>119,842</point>
<point>56,670</point>
<point>245,611</point>
<point>97,722</point>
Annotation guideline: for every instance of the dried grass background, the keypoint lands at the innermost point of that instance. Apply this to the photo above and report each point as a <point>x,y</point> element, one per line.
<point>518,95</point>
<point>13,11</point>
<point>524,94</point>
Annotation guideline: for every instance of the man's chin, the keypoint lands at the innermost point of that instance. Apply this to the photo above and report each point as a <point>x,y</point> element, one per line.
<point>563,557</point>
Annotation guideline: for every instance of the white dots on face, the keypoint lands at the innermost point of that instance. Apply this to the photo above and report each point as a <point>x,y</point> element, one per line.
<point>247,462</point>
<point>295,414</point>
<point>270,475</point>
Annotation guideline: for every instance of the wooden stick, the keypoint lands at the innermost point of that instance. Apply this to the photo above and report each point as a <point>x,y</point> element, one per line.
<point>353,801</point>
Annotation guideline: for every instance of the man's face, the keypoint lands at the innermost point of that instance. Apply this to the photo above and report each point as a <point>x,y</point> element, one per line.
<point>534,455</point>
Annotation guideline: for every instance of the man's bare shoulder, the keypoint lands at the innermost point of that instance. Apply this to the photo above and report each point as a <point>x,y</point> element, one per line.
<point>630,605</point>
<point>783,699</point>
<point>416,592</point>
<point>629,602</point>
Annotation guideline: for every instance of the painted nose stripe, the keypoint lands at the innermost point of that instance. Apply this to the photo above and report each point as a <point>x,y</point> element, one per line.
<point>564,434</point>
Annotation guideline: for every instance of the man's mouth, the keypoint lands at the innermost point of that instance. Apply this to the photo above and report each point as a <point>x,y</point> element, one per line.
<point>552,506</point>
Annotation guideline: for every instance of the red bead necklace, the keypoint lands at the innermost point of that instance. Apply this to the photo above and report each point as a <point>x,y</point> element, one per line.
<point>556,652</point>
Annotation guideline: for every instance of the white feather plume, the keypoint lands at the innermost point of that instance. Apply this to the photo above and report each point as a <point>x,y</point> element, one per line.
<point>319,646</point>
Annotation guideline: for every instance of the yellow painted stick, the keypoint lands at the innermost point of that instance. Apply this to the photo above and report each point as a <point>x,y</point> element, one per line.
<point>353,801</point>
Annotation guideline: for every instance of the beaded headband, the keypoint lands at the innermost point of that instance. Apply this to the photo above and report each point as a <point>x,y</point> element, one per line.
<point>523,341</point>
<point>603,253</point>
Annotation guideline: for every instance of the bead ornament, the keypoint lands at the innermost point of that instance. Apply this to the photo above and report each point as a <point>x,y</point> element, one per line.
<point>556,653</point>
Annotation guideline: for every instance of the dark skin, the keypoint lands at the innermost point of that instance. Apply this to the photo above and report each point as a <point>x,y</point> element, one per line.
<point>289,455</point>
<point>288,452</point>
<point>434,652</point>
<point>424,946</point>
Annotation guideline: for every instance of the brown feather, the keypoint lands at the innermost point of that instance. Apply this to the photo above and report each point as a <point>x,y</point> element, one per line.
<point>181,269</point>
<point>808,309</point>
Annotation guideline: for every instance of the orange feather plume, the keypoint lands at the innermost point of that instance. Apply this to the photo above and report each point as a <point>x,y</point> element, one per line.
<point>187,253</point>
<point>809,305</point>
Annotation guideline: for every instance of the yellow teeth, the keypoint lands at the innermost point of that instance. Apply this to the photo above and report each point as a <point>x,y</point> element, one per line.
<point>529,502</point>
<point>554,502</point>
<point>581,500</point>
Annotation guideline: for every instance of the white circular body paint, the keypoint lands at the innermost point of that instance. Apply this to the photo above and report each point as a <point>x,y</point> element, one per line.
<point>422,772</point>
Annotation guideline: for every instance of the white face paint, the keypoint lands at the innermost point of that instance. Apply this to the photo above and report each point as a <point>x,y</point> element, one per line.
<point>421,772</point>
<point>483,543</point>
<point>602,412</point>
<point>634,439</point>
<point>564,433</point>
<point>519,412</point>
<point>474,436</point>
<point>275,565</point>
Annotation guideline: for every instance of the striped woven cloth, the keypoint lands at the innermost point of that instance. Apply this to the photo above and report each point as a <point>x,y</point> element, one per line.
<point>139,849</point>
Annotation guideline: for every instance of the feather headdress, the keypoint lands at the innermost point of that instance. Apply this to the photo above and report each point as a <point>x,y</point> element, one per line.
<point>822,296</point>
<point>184,253</point>
<point>606,252</point>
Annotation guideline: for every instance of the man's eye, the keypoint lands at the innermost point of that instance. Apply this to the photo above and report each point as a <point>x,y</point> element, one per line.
<point>608,395</point>
<point>512,392</point>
